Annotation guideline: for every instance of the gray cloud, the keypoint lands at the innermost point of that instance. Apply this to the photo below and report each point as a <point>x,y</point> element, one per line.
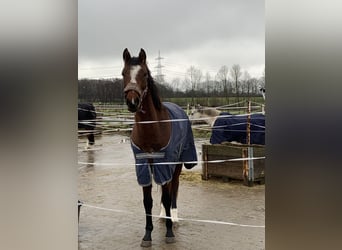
<point>207,33</point>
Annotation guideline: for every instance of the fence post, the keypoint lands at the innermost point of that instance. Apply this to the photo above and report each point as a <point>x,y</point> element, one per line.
<point>250,149</point>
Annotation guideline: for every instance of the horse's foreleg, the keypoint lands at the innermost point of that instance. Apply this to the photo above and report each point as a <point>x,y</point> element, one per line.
<point>91,138</point>
<point>148,203</point>
<point>162,210</point>
<point>166,199</point>
<point>174,193</point>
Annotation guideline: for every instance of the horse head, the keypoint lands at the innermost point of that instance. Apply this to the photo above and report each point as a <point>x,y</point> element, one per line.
<point>135,79</point>
<point>262,91</point>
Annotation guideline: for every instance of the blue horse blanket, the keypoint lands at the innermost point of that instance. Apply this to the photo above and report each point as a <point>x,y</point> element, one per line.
<point>230,128</point>
<point>180,149</point>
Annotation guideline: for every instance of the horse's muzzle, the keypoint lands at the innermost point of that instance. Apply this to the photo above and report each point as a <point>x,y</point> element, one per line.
<point>132,100</point>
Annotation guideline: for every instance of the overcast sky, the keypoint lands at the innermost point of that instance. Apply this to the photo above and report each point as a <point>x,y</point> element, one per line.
<point>206,34</point>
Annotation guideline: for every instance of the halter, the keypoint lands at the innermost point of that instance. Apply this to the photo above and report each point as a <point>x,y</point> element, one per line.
<point>141,94</point>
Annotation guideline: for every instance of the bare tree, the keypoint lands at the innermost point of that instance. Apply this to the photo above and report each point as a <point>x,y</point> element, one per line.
<point>207,86</point>
<point>254,85</point>
<point>176,84</point>
<point>193,78</point>
<point>236,73</point>
<point>262,80</point>
<point>247,83</point>
<point>222,76</point>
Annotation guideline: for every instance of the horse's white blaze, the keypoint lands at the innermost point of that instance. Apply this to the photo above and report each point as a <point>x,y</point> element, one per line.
<point>134,71</point>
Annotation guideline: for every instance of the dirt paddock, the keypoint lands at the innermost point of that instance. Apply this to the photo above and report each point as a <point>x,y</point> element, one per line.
<point>108,181</point>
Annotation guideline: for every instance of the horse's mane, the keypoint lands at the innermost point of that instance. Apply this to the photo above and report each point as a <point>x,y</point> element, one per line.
<point>154,91</point>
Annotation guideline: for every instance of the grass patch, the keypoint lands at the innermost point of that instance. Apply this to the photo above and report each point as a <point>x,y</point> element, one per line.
<point>191,176</point>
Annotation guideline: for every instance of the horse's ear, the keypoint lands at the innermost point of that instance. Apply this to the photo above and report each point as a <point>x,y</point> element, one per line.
<point>126,55</point>
<point>142,56</point>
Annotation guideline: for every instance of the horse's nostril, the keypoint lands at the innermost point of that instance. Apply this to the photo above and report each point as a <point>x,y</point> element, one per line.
<point>135,101</point>
<point>132,104</point>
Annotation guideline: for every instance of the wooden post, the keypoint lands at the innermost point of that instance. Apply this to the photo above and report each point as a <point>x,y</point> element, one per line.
<point>245,169</point>
<point>250,149</point>
<point>205,162</point>
<point>249,123</point>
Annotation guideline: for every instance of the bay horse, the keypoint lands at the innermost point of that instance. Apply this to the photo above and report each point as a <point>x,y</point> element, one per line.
<point>87,121</point>
<point>161,144</point>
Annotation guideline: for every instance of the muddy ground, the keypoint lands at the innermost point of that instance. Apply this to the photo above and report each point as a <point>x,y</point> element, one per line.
<point>111,183</point>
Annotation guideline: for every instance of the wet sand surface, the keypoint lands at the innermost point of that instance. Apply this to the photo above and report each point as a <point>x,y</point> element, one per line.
<point>110,183</point>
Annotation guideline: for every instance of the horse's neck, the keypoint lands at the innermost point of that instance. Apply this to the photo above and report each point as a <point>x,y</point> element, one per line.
<point>151,137</point>
<point>211,115</point>
<point>213,112</point>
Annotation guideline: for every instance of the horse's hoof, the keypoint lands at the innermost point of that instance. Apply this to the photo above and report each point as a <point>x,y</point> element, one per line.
<point>146,243</point>
<point>170,240</point>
